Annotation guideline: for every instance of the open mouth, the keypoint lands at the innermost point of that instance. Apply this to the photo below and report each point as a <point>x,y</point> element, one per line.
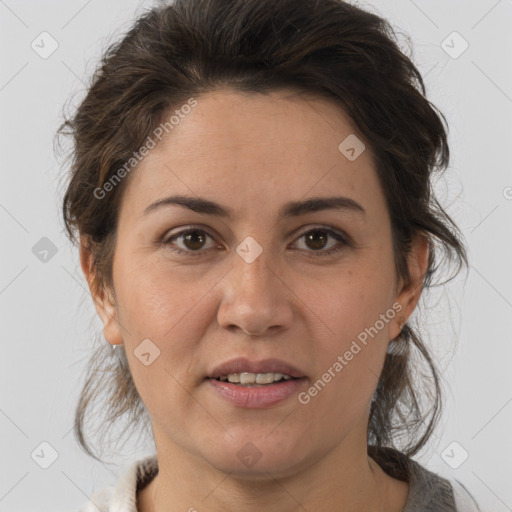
<point>247,379</point>
<point>258,389</point>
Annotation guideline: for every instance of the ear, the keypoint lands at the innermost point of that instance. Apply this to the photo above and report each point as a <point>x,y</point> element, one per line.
<point>409,294</point>
<point>104,301</point>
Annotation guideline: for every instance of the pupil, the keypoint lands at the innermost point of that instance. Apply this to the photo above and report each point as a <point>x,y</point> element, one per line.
<point>190,237</point>
<point>311,237</point>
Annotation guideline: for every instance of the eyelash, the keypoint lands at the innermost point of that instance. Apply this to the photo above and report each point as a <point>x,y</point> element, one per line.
<point>345,241</point>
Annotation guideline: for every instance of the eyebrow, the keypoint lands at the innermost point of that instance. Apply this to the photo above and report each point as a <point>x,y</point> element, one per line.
<point>290,209</point>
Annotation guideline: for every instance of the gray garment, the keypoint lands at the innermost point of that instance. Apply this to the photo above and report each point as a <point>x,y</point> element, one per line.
<point>428,492</point>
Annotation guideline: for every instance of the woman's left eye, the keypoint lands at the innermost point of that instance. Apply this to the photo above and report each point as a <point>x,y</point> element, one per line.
<point>193,240</point>
<point>319,236</point>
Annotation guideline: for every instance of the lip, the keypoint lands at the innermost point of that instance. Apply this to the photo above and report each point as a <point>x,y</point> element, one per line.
<point>257,397</point>
<point>242,364</point>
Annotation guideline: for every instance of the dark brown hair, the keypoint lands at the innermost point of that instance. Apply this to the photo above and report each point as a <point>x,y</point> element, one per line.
<point>330,48</point>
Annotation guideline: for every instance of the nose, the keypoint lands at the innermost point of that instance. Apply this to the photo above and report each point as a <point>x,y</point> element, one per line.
<point>256,298</point>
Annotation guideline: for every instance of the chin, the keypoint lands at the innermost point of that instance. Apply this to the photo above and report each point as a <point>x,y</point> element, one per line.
<point>259,458</point>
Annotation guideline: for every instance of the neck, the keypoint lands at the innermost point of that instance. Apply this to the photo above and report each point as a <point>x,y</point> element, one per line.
<point>344,479</point>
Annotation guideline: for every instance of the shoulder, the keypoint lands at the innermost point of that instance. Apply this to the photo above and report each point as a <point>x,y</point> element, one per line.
<point>428,491</point>
<point>464,501</point>
<point>100,500</point>
<point>123,495</point>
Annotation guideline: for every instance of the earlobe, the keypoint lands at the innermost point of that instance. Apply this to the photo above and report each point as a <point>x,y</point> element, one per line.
<point>106,309</point>
<point>418,260</point>
<point>400,323</point>
<point>103,299</point>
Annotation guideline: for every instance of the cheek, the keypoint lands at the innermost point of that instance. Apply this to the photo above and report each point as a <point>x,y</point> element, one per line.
<point>353,312</point>
<point>160,305</point>
<point>162,313</point>
<point>350,302</point>
<point>158,300</point>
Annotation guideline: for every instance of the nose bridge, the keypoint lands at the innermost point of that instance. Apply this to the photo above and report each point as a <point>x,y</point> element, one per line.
<point>253,263</point>
<point>254,297</point>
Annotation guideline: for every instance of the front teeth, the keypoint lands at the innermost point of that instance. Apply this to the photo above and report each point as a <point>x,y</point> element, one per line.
<point>254,378</point>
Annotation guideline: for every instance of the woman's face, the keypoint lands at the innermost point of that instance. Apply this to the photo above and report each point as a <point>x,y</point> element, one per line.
<point>256,284</point>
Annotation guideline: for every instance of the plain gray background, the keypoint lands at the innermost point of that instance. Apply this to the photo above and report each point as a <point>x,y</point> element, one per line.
<point>48,321</point>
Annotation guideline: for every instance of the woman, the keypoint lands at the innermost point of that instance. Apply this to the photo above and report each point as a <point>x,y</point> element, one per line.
<point>251,190</point>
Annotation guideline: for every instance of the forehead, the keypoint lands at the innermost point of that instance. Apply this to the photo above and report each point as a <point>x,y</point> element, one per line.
<point>257,150</point>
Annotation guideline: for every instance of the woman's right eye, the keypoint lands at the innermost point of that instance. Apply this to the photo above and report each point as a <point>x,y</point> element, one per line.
<point>193,238</point>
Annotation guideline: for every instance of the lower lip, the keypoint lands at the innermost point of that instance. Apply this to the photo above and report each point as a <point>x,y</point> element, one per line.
<point>257,397</point>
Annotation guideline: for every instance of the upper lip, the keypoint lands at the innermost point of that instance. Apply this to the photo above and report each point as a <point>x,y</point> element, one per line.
<point>242,364</point>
